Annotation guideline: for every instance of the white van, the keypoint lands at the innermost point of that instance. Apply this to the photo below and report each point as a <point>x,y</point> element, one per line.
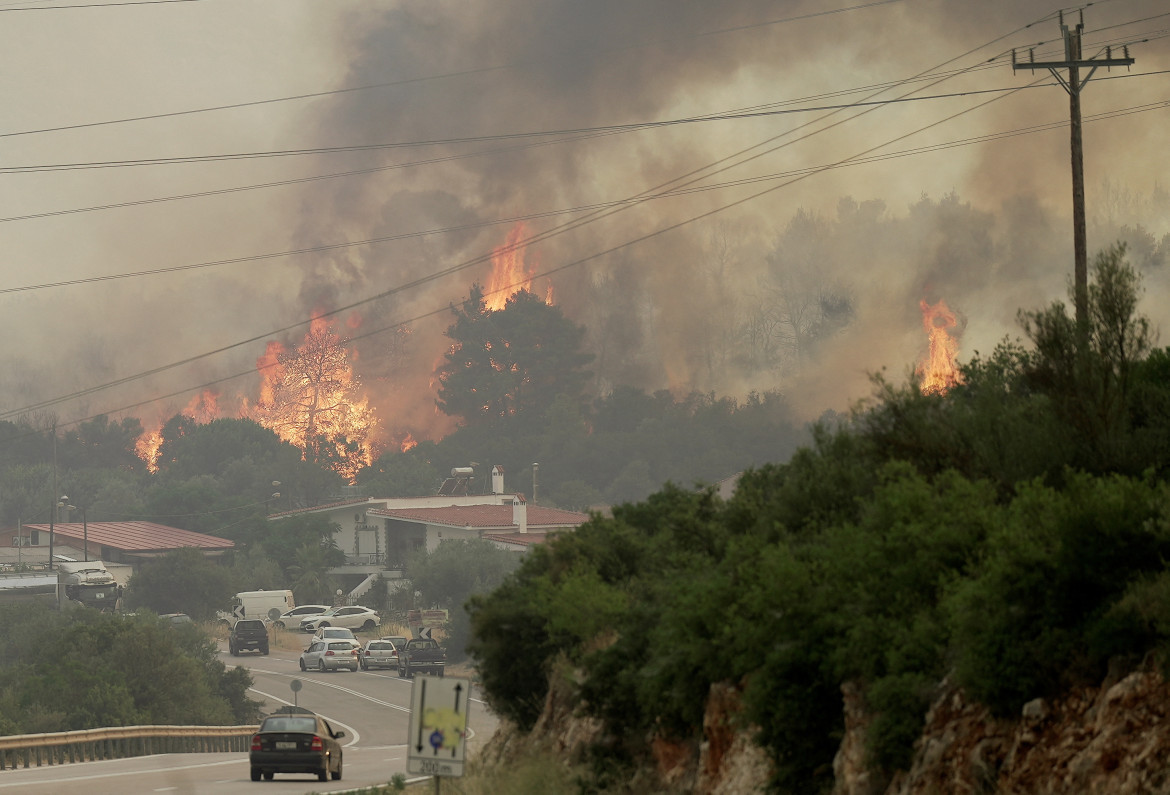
<point>268,605</point>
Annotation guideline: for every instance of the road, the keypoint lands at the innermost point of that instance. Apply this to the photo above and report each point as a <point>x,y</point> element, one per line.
<point>371,707</point>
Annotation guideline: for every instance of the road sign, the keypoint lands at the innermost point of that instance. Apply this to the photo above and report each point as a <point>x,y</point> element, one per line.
<point>437,744</point>
<point>238,611</point>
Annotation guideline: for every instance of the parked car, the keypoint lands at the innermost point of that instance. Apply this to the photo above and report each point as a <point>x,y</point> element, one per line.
<point>330,655</point>
<point>349,616</point>
<point>398,640</point>
<point>296,741</point>
<point>335,633</point>
<point>248,634</point>
<point>174,619</point>
<point>379,654</point>
<point>422,656</point>
<point>292,618</point>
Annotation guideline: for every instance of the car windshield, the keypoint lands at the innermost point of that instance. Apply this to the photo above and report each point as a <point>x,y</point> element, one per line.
<point>340,645</point>
<point>290,724</point>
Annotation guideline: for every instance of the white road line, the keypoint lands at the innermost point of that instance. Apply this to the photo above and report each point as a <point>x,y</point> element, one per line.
<point>74,779</point>
<point>343,689</point>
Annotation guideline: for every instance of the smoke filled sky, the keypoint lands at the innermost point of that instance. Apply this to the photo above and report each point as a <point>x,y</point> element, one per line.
<point>185,181</point>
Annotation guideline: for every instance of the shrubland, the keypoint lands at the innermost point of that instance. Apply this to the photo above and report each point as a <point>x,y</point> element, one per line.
<point>81,669</point>
<point>1011,534</point>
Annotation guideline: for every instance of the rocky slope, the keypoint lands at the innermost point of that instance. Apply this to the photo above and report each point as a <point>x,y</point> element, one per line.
<point>1110,740</point>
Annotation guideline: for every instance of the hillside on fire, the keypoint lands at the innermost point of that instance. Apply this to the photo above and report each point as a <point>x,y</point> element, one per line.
<point>1000,542</point>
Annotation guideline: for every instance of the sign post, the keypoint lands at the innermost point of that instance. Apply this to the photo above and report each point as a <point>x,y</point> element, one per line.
<point>437,744</point>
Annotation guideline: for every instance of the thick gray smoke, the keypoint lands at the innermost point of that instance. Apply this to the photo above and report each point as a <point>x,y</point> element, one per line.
<point>807,288</point>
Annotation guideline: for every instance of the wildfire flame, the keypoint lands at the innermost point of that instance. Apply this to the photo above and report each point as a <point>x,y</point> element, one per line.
<point>309,396</point>
<point>204,407</point>
<point>510,272</point>
<point>940,370</point>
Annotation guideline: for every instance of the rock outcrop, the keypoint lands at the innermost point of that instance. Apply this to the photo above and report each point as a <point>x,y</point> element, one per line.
<point>1111,740</point>
<point>725,762</point>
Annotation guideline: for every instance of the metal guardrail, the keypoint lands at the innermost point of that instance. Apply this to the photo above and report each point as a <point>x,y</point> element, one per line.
<point>56,748</point>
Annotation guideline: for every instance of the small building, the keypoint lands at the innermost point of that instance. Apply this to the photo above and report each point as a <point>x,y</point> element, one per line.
<point>379,534</point>
<point>125,543</point>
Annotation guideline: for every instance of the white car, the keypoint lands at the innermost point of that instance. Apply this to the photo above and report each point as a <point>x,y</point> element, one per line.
<point>331,655</point>
<point>349,616</point>
<point>292,618</point>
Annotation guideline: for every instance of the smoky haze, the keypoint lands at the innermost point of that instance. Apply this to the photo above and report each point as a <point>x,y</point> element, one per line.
<point>806,289</point>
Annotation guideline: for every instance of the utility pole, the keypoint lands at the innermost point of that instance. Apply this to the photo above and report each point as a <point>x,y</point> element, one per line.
<point>1073,85</point>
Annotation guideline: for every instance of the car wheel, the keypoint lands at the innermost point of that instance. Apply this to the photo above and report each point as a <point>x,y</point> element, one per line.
<point>323,774</point>
<point>323,624</point>
<point>268,775</point>
<point>337,773</point>
<point>264,650</point>
<point>369,625</point>
<point>321,666</point>
<point>302,663</point>
<point>279,625</point>
<point>235,652</point>
<point>255,774</point>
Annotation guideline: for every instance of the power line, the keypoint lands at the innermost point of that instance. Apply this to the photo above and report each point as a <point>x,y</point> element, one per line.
<point>427,78</point>
<point>795,176</point>
<point>577,131</point>
<point>101,5</point>
<point>616,203</point>
<point>846,161</point>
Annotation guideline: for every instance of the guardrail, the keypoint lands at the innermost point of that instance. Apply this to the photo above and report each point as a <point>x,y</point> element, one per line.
<point>56,748</point>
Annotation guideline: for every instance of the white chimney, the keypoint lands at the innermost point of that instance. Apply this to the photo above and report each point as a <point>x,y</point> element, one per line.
<point>520,513</point>
<point>497,479</point>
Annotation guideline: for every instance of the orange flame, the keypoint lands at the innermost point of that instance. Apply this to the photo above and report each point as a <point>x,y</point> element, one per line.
<point>203,408</point>
<point>408,442</point>
<point>939,371</point>
<point>510,273</point>
<point>308,396</point>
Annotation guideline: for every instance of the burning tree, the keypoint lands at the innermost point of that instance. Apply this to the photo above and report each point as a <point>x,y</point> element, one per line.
<point>312,399</point>
<point>940,370</point>
<point>518,359</point>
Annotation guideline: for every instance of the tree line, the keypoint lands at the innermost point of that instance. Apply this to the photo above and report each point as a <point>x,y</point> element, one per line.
<point>1010,535</point>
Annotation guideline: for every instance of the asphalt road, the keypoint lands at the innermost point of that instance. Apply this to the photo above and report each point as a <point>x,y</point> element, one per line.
<point>371,707</point>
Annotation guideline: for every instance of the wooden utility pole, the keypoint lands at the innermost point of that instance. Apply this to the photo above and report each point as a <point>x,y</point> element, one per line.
<point>1073,85</point>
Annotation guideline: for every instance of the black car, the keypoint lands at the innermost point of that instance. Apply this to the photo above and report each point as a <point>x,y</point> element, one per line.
<point>295,740</point>
<point>248,633</point>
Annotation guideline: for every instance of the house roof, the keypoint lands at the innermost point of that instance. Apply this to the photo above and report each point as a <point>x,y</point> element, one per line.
<point>134,536</point>
<point>517,539</point>
<point>485,516</point>
<point>326,507</point>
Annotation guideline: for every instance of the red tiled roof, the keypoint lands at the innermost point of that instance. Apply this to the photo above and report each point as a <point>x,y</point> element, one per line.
<point>484,516</point>
<point>135,536</point>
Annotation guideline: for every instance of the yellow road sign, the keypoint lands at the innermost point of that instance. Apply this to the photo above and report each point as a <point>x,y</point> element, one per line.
<point>437,743</point>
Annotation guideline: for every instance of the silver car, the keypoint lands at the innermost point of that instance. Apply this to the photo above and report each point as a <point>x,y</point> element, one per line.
<point>330,655</point>
<point>379,654</point>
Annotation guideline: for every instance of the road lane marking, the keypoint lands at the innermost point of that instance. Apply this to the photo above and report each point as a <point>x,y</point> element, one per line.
<point>342,688</point>
<point>153,770</point>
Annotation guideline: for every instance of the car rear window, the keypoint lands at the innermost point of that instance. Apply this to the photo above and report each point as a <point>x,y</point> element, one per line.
<point>290,725</point>
<point>382,646</point>
<point>249,624</point>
